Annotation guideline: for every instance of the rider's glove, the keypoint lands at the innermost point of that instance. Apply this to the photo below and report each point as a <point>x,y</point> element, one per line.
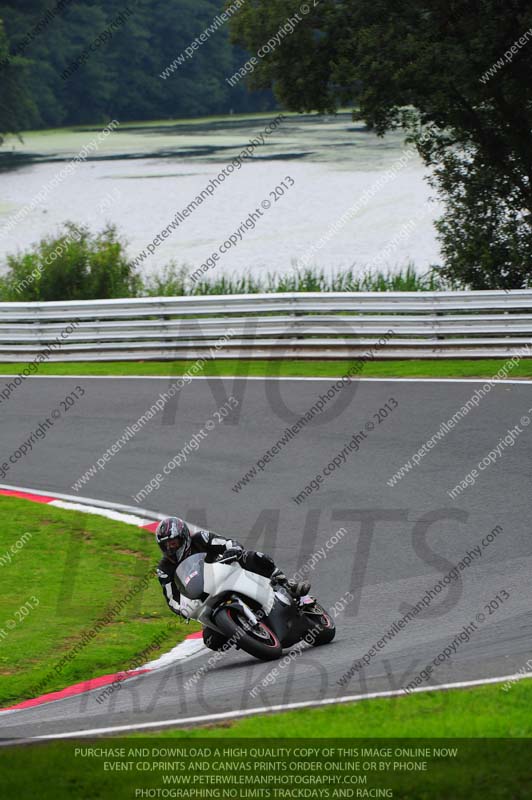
<point>231,555</point>
<point>278,576</point>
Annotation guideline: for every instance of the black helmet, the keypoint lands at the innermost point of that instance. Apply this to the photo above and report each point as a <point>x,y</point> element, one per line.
<point>173,537</point>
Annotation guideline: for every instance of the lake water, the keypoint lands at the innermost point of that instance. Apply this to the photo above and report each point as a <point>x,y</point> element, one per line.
<point>140,176</point>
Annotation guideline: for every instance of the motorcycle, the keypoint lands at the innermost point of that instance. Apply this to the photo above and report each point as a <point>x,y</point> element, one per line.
<point>247,609</point>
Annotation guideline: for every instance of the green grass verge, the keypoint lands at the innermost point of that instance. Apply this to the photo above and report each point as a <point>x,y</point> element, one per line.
<point>77,566</point>
<point>485,711</point>
<point>420,368</point>
<point>489,727</point>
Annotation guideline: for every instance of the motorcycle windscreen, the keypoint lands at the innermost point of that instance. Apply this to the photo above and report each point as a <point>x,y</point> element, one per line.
<point>189,576</point>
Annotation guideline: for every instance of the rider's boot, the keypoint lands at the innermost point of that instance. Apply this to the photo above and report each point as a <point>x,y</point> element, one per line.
<point>297,589</point>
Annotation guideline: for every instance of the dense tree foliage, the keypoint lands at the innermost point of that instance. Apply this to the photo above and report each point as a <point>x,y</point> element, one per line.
<point>456,75</point>
<point>16,108</point>
<point>120,77</point>
<point>76,264</point>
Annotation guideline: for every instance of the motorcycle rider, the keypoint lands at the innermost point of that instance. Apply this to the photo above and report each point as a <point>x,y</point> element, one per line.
<point>177,543</point>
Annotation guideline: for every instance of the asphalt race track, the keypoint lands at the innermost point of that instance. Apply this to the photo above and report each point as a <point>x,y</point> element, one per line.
<point>399,541</point>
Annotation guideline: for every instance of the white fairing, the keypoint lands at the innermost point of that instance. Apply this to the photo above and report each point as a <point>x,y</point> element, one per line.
<point>222,578</point>
<point>191,608</point>
<point>219,578</point>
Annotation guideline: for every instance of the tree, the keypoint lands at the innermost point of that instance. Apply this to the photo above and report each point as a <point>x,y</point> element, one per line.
<point>446,73</point>
<point>302,67</point>
<point>73,265</point>
<point>127,47</point>
<point>16,108</point>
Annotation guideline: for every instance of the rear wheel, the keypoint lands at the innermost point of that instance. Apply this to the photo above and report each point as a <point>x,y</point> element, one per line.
<point>322,626</point>
<point>258,640</point>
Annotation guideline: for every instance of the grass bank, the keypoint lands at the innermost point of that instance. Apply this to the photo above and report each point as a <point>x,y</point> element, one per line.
<point>482,712</point>
<point>62,571</point>
<point>485,726</point>
<point>419,368</point>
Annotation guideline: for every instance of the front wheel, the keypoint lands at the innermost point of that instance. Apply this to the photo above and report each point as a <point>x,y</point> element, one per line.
<point>321,624</point>
<point>258,640</point>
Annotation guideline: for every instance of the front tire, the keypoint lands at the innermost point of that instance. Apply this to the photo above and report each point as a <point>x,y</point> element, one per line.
<point>258,641</point>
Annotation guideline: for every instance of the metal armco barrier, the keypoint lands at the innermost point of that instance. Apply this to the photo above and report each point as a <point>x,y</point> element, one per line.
<point>290,325</point>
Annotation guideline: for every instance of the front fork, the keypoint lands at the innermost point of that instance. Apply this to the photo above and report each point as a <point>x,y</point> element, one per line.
<point>237,602</point>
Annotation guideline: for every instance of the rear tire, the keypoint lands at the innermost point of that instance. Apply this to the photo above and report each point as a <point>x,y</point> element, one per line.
<point>263,644</point>
<point>318,616</point>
